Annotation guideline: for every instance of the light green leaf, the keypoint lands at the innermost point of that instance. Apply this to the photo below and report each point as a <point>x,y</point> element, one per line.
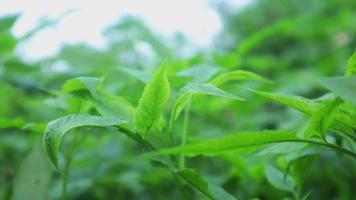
<point>82,83</point>
<point>278,180</point>
<point>191,89</point>
<point>231,142</point>
<point>344,87</point>
<point>56,129</point>
<point>237,75</point>
<point>33,176</point>
<point>351,65</point>
<point>152,101</point>
<point>302,104</point>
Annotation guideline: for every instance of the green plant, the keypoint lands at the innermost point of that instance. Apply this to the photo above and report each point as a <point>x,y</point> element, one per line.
<point>331,126</point>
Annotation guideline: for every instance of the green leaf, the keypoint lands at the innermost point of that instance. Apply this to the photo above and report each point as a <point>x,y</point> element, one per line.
<point>187,92</point>
<point>309,107</point>
<point>6,22</point>
<point>191,177</point>
<point>114,106</point>
<point>351,65</point>
<point>209,190</point>
<point>199,73</point>
<point>33,177</point>
<point>136,74</point>
<point>302,104</point>
<point>231,142</point>
<point>323,118</point>
<point>82,83</point>
<point>152,101</point>
<point>344,87</point>
<point>237,75</point>
<point>56,129</point>
<point>278,179</point>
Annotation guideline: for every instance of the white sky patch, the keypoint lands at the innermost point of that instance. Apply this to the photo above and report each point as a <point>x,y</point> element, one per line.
<point>195,19</point>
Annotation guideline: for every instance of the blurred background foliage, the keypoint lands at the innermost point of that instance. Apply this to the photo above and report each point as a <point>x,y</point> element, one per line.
<point>293,43</point>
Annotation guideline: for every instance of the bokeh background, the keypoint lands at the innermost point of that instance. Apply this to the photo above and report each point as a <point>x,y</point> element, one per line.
<point>45,43</point>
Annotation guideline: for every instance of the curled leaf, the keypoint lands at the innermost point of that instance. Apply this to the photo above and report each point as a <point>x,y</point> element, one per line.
<point>56,129</point>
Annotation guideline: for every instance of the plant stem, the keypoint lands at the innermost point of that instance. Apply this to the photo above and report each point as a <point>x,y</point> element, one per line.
<point>184,134</point>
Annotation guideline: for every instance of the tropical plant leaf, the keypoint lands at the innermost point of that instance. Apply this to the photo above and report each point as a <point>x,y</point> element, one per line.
<point>231,142</point>
<point>344,87</point>
<point>237,75</point>
<point>152,101</point>
<point>56,129</point>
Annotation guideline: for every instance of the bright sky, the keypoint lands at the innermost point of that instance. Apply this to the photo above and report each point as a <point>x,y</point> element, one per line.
<point>195,18</point>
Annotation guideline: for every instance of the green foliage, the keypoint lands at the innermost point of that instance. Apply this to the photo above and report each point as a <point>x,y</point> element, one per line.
<point>351,65</point>
<point>56,129</point>
<point>323,118</point>
<point>302,104</point>
<point>116,101</point>
<point>33,176</point>
<point>187,92</point>
<point>278,179</point>
<point>232,142</point>
<point>344,87</point>
<point>81,83</point>
<point>211,191</point>
<point>152,101</point>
